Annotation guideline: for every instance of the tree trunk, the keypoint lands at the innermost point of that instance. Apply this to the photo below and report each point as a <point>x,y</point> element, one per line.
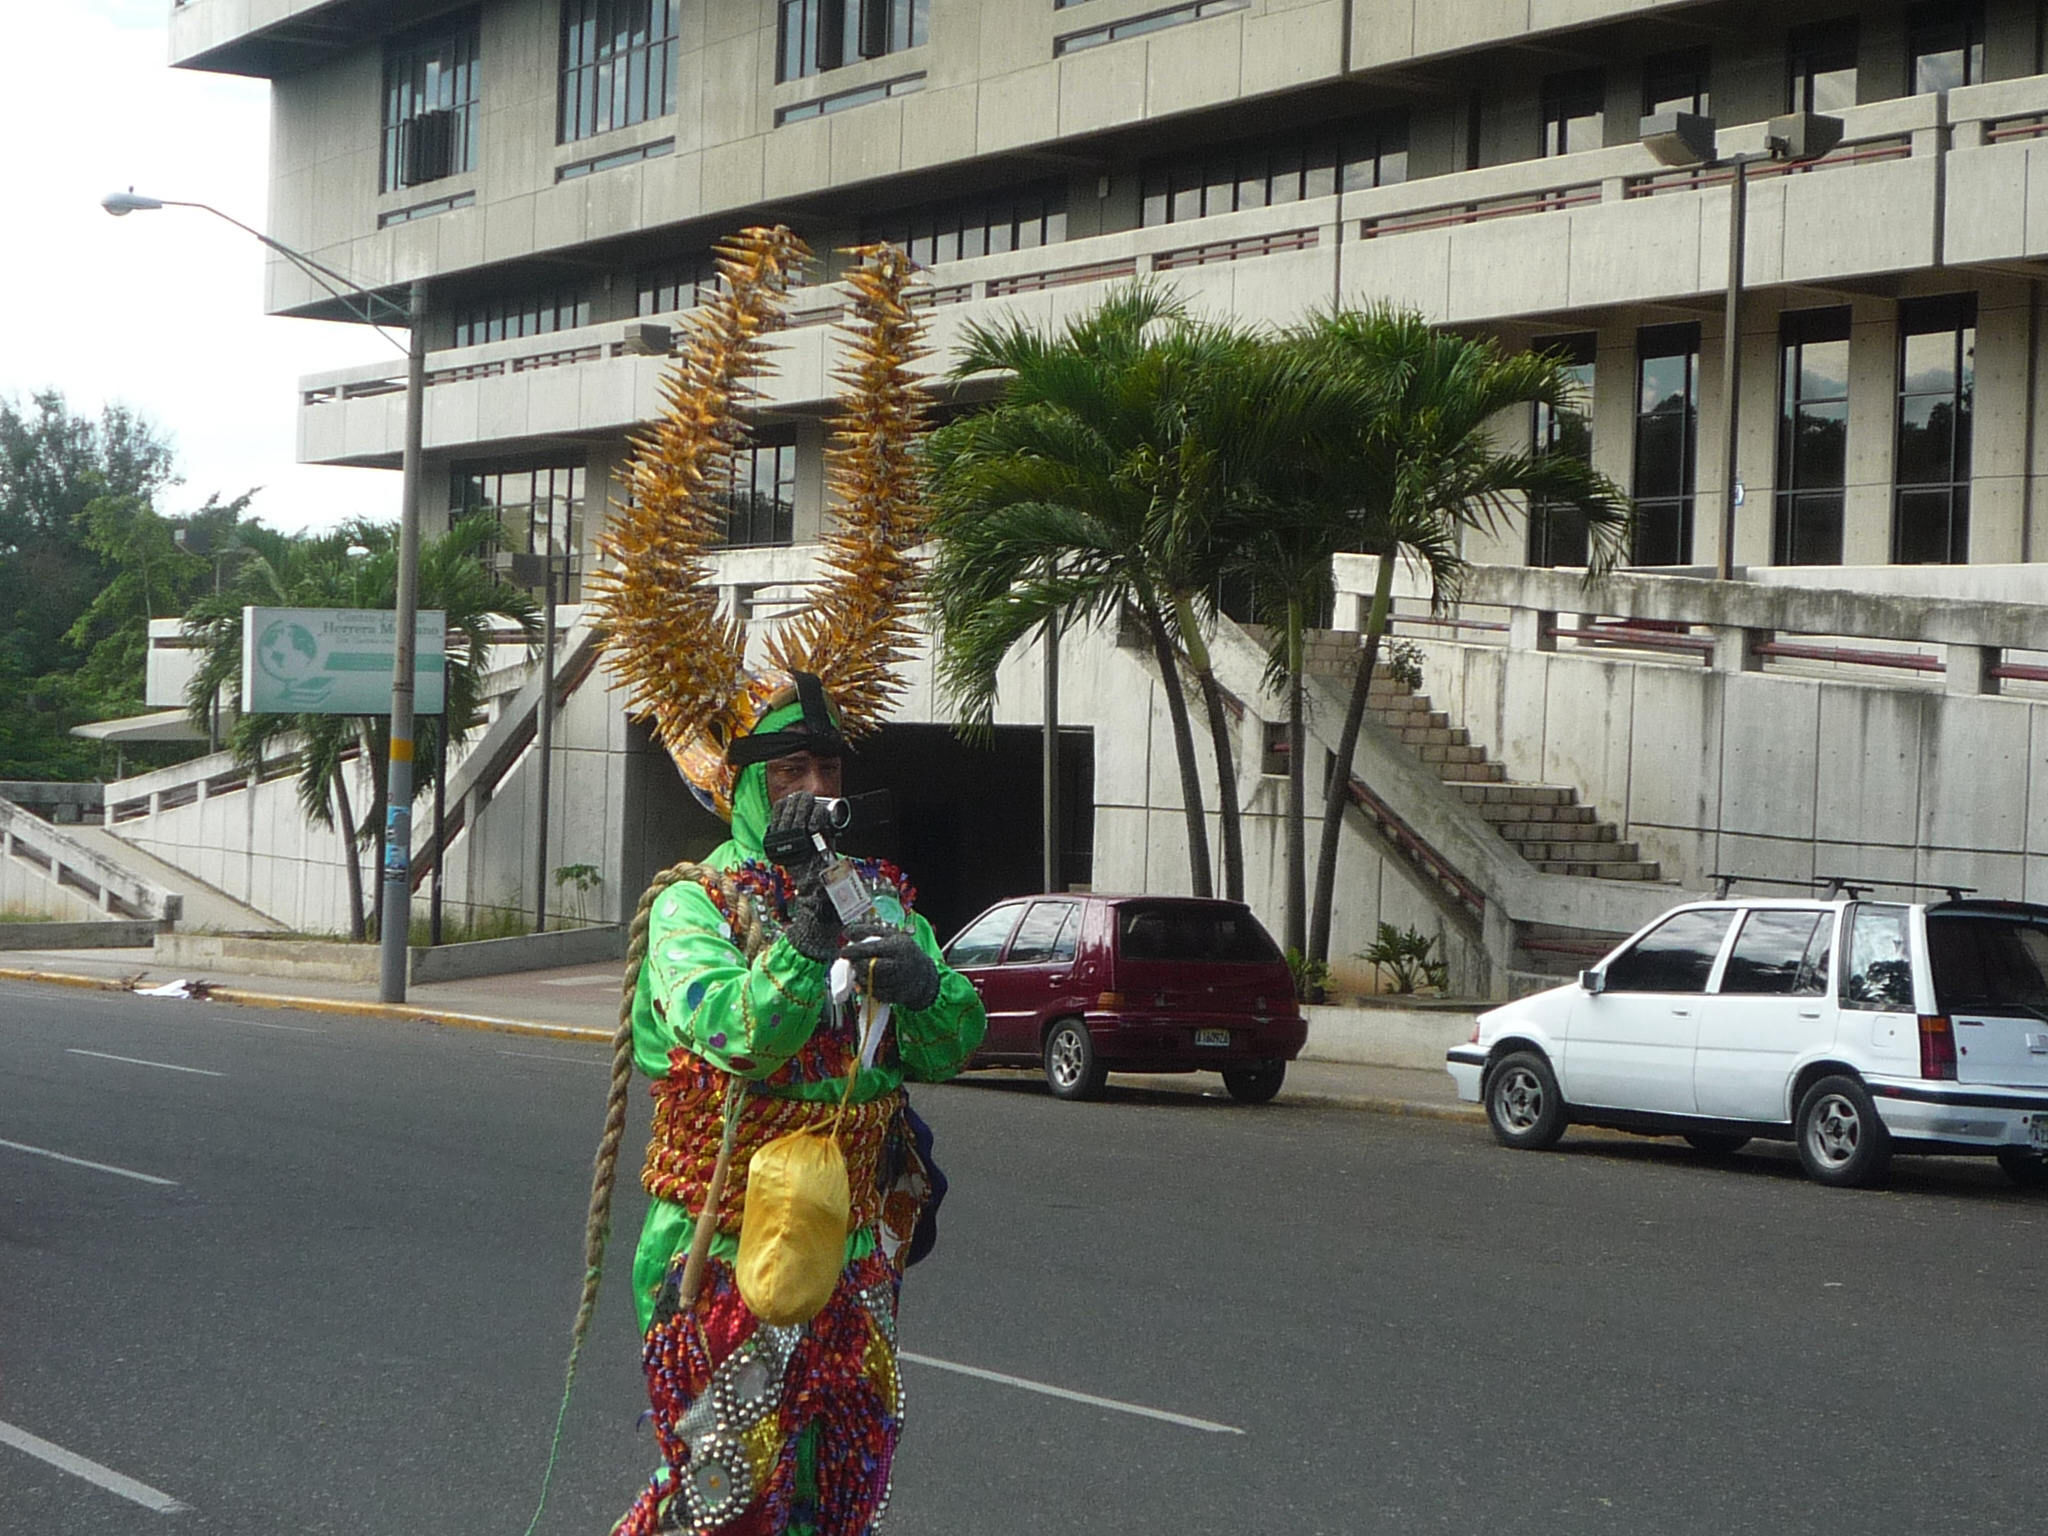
<point>1224,748</point>
<point>1183,748</point>
<point>349,859</point>
<point>1297,858</point>
<point>1338,794</point>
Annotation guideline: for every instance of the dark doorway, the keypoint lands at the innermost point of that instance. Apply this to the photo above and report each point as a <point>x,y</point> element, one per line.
<point>967,821</point>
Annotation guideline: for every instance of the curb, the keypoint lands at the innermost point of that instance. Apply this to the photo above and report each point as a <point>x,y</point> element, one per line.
<point>402,1012</point>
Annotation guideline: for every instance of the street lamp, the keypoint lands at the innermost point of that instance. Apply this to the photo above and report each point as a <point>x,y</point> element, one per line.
<point>1687,141</point>
<point>375,310</point>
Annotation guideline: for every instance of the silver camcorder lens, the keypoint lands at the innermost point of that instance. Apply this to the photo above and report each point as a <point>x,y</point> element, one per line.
<point>838,813</point>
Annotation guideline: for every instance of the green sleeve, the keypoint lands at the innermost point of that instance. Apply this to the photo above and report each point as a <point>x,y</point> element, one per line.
<point>697,990</point>
<point>935,1042</point>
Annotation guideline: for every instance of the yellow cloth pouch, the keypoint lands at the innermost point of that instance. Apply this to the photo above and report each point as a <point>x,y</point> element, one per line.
<point>793,1229</point>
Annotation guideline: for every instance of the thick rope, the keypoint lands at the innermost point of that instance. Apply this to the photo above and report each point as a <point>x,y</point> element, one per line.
<point>604,1175</point>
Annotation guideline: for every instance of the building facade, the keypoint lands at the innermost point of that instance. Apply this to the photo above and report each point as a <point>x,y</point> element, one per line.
<point>559,170</point>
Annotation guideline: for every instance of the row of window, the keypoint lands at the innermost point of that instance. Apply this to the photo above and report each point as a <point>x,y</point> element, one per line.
<point>1931,460</point>
<point>1944,50</point>
<point>813,36</point>
<point>1283,168</point>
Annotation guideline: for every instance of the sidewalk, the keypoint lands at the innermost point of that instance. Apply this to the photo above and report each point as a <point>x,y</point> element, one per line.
<point>582,1003</point>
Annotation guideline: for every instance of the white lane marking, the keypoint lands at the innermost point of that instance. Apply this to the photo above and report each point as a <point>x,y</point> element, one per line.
<point>573,1061</point>
<point>294,1029</point>
<point>91,1471</point>
<point>580,981</point>
<point>1182,1419</point>
<point>137,1061</point>
<point>79,1162</point>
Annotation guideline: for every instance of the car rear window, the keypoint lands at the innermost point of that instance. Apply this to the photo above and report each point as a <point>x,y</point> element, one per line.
<point>1047,933</point>
<point>1986,961</point>
<point>1779,953</point>
<point>982,940</point>
<point>1192,934</point>
<point>1878,974</point>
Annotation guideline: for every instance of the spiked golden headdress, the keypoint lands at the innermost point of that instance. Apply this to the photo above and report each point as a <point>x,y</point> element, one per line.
<point>684,660</point>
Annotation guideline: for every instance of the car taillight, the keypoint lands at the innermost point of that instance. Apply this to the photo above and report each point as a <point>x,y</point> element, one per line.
<point>1937,1047</point>
<point>1109,999</point>
<point>1473,1038</point>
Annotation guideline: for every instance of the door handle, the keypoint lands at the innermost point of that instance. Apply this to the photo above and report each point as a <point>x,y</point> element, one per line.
<point>1681,1013</point>
<point>1809,1013</point>
<point>1053,981</point>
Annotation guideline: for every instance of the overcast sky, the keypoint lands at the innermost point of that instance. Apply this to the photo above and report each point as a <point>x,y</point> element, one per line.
<point>162,311</point>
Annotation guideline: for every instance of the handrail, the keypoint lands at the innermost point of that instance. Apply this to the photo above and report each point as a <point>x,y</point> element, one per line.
<point>1908,661</point>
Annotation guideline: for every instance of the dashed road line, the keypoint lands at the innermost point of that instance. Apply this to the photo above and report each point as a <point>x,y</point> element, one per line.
<point>572,1061</point>
<point>79,1162</point>
<point>1208,1426</point>
<point>137,1061</point>
<point>90,1470</point>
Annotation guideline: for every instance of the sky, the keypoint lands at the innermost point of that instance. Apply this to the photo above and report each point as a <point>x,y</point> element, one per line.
<point>161,311</point>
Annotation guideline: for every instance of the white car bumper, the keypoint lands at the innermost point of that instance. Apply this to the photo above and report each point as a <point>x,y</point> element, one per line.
<point>1973,1114</point>
<point>1466,1063</point>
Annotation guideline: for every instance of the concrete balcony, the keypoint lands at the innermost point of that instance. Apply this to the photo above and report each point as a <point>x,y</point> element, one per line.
<point>1571,235</point>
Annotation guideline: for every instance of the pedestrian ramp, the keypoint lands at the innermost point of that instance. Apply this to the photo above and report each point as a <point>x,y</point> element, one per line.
<point>206,907</point>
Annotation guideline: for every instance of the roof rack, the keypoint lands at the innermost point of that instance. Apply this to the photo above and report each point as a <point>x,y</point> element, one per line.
<point>1723,881</point>
<point>1837,885</point>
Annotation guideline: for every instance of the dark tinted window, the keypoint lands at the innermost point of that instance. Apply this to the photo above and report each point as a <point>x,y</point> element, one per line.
<point>1675,956</point>
<point>1047,933</point>
<point>1985,962</point>
<point>1878,971</point>
<point>1228,934</point>
<point>982,940</point>
<point>1783,953</point>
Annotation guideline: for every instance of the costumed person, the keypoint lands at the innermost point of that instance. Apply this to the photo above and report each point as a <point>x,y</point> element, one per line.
<point>778,994</point>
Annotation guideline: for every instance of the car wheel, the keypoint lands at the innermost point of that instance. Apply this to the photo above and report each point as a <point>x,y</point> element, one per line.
<point>1841,1140</point>
<point>1523,1104</point>
<point>1071,1070</point>
<point>1716,1143</point>
<point>1255,1085</point>
<point>2027,1169</point>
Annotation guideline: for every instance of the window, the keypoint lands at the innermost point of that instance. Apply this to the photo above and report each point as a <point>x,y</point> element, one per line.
<point>1138,26</point>
<point>1944,46</point>
<point>1984,962</point>
<point>576,169</point>
<point>1676,82</point>
<point>618,64</point>
<point>858,96</point>
<point>1821,67</point>
<point>430,103</point>
<point>1574,112</point>
<point>1813,429</point>
<point>1667,406</point>
<point>1557,534</point>
<point>1675,956</point>
<point>507,318</point>
<point>816,35</point>
<point>677,285</point>
<point>1046,935</point>
<point>1878,974</point>
<point>981,941</point>
<point>539,507</point>
<point>1782,954</point>
<point>1931,472</point>
<point>1018,219</point>
<point>1193,934</point>
<point>1346,157</point>
<point>761,501</point>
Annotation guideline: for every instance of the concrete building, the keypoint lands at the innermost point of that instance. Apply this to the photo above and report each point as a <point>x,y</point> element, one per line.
<point>558,171</point>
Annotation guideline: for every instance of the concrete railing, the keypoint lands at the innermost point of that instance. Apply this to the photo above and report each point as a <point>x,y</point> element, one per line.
<point>79,872</point>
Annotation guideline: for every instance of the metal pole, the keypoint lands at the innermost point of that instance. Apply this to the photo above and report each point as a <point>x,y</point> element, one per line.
<point>545,747</point>
<point>1731,362</point>
<point>392,939</point>
<point>440,814</point>
<point>1051,756</point>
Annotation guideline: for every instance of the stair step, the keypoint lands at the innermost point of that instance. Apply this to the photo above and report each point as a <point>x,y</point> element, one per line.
<point>1420,735</point>
<point>1446,753</point>
<point>1579,833</point>
<point>1637,870</point>
<point>1511,815</point>
<point>1478,775</point>
<point>1579,853</point>
<point>1489,789</point>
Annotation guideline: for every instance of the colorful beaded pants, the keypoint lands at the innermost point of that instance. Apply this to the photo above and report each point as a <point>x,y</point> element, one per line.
<point>772,1431</point>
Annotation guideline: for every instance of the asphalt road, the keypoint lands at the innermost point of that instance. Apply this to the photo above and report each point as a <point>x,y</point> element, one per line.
<point>348,1311</point>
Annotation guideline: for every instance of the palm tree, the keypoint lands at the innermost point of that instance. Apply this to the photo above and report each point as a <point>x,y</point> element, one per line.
<point>1422,468</point>
<point>318,571</point>
<point>1044,504</point>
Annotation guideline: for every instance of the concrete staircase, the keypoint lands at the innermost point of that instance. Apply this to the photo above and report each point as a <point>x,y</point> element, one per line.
<point>1544,823</point>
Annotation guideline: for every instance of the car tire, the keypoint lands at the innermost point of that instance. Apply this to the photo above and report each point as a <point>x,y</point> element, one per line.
<point>1255,1085</point>
<point>1841,1141</point>
<point>1523,1104</point>
<point>1072,1071</point>
<point>1716,1143</point>
<point>2027,1169</point>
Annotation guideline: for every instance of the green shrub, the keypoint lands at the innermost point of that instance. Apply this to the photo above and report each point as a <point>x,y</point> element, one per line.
<point>1409,960</point>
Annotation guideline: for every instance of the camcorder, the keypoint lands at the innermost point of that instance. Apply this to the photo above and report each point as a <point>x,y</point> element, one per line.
<point>852,813</point>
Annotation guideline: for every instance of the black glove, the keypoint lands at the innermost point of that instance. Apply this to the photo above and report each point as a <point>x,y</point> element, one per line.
<point>813,926</point>
<point>902,972</point>
<point>791,825</point>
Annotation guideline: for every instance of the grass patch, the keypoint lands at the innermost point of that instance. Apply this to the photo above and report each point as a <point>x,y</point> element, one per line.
<point>15,914</point>
<point>481,923</point>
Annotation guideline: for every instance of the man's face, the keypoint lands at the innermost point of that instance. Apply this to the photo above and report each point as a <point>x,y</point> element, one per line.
<point>801,770</point>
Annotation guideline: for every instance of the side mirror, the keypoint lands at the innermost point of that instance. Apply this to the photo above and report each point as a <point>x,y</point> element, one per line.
<point>1594,982</point>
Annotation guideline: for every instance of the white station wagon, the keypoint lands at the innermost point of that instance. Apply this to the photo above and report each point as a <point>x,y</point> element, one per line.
<point>1853,1028</point>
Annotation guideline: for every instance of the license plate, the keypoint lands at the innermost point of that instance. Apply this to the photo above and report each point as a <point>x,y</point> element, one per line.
<point>1222,1037</point>
<point>2040,1132</point>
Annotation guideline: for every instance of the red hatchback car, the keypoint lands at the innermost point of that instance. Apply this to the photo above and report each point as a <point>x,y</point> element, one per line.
<point>1083,985</point>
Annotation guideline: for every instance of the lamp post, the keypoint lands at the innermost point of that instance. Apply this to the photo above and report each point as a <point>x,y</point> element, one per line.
<point>375,310</point>
<point>1686,140</point>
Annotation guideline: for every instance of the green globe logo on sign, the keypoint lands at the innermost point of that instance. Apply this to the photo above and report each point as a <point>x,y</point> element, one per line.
<point>289,653</point>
